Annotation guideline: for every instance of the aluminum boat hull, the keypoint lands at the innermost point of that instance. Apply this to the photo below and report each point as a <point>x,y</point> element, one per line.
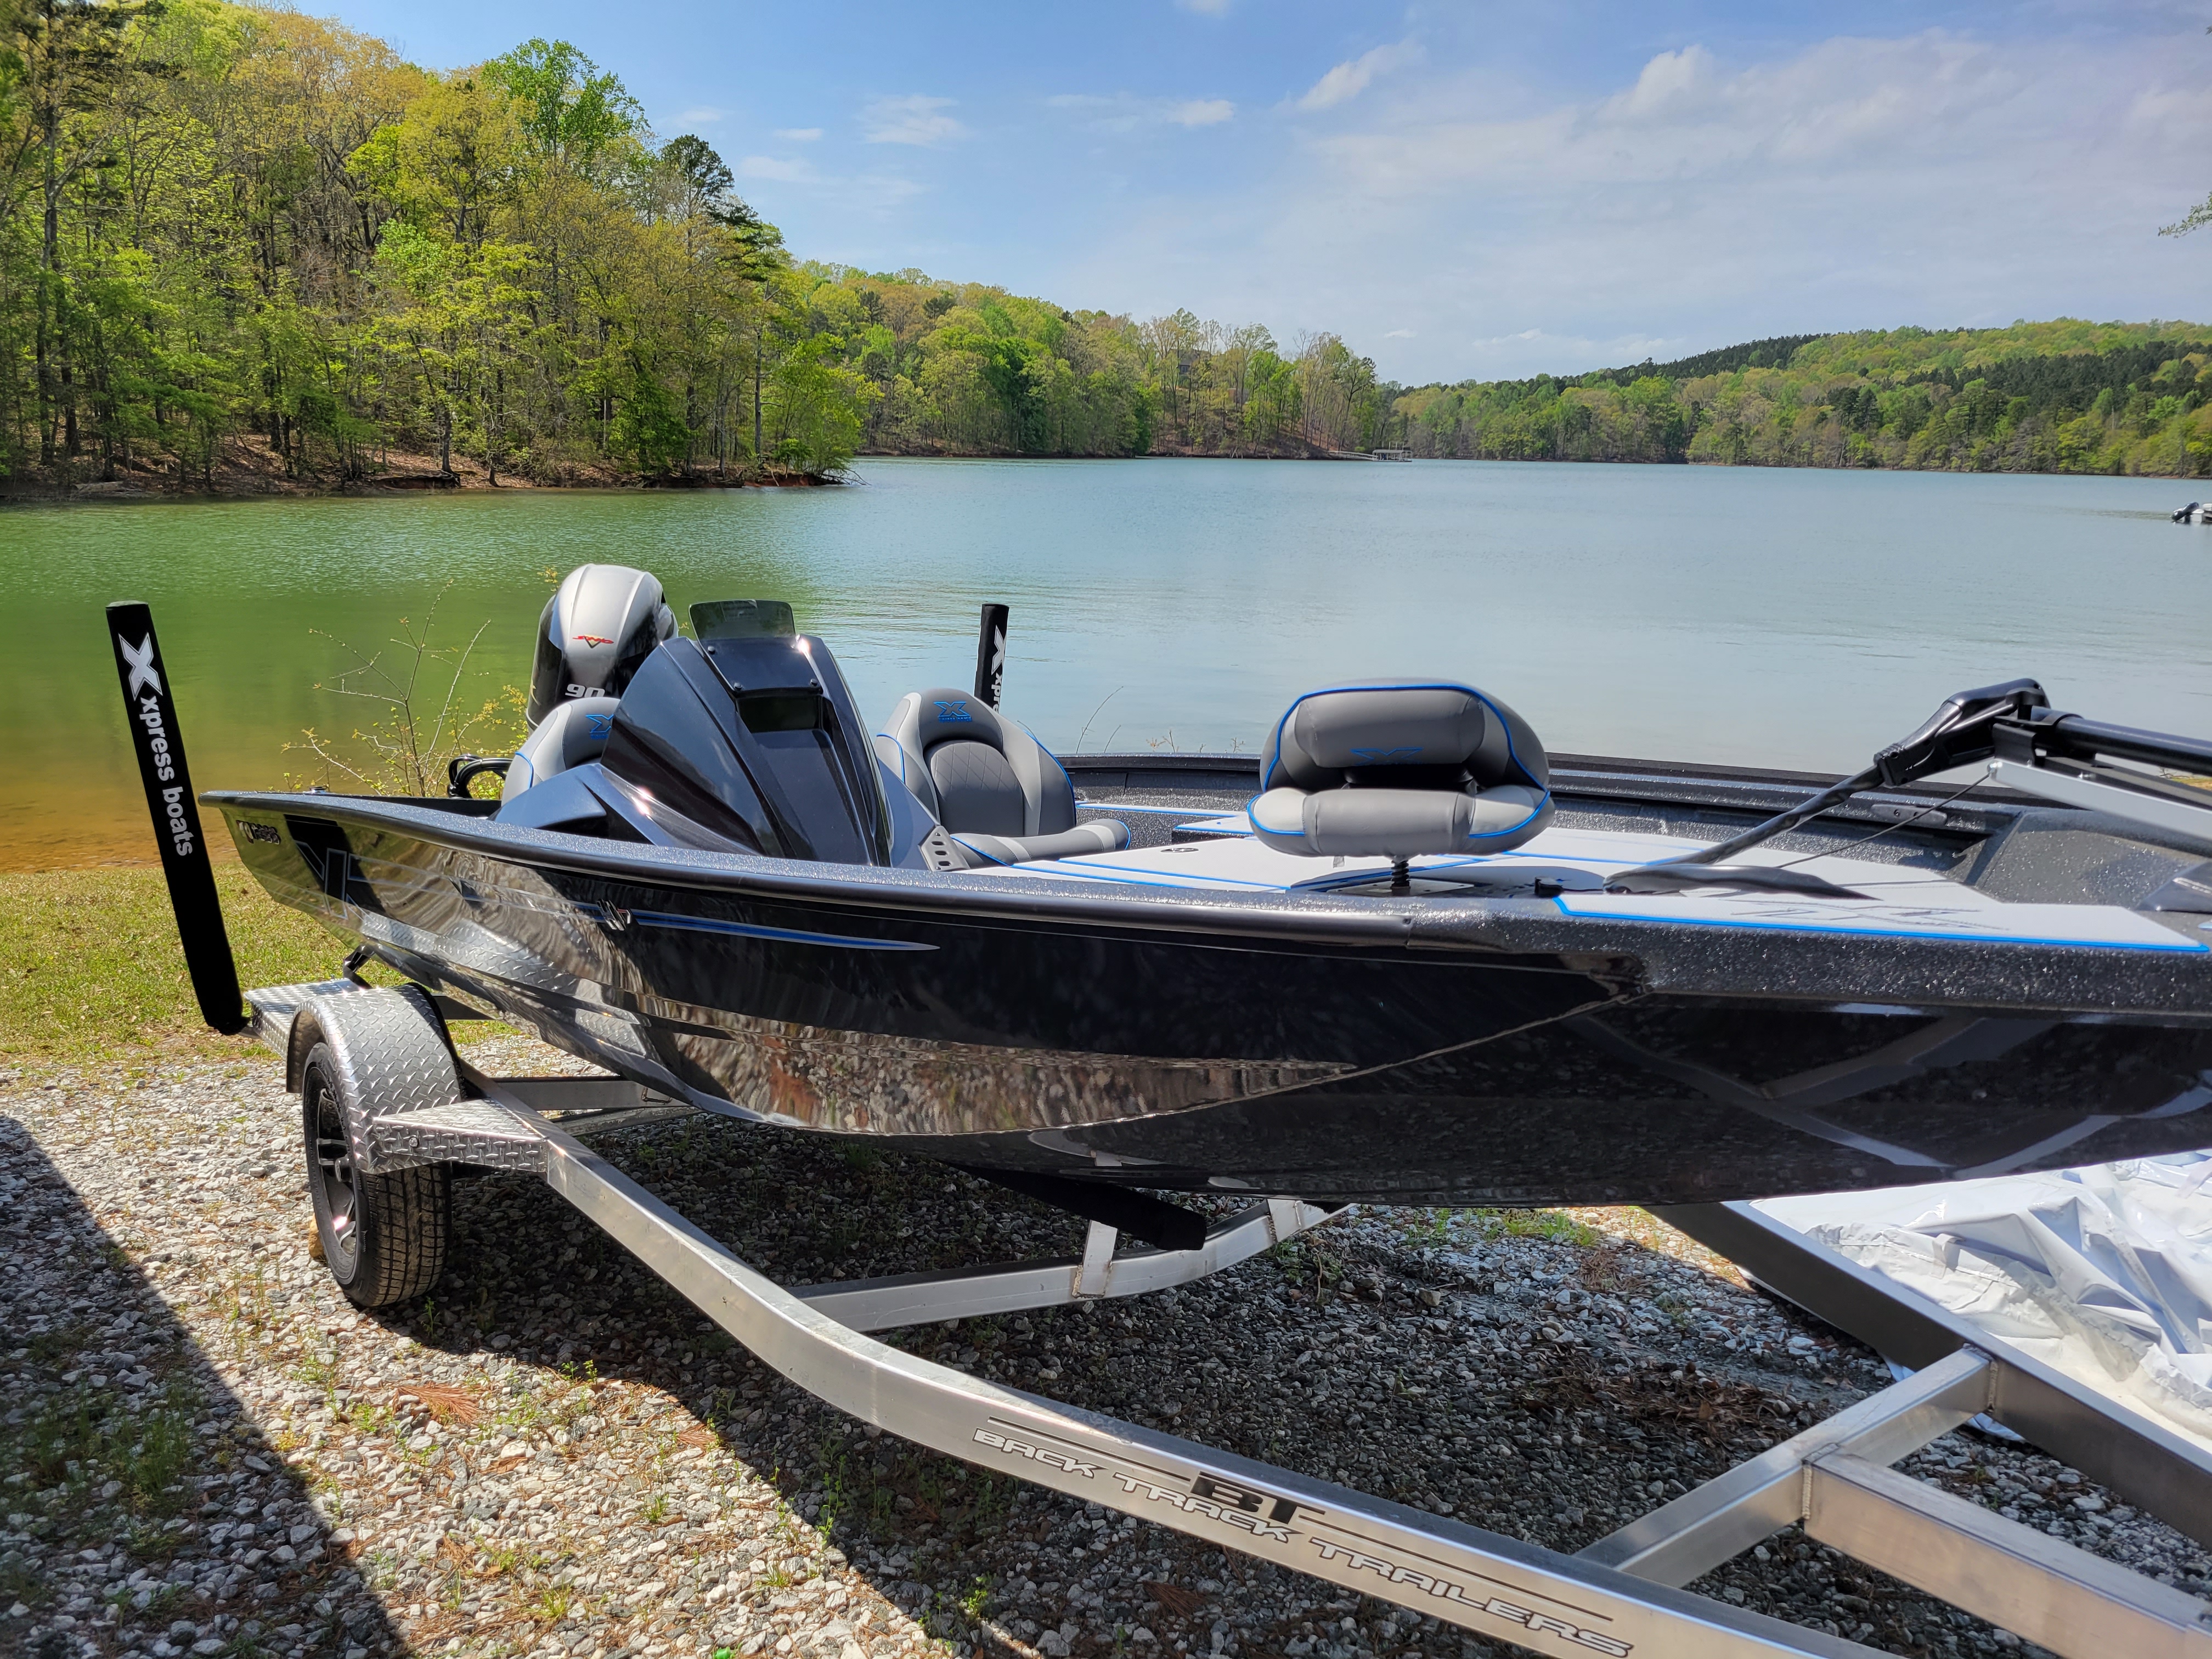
<point>1328,1047</point>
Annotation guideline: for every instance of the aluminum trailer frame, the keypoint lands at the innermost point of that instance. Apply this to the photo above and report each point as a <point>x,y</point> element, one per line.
<point>1619,1597</point>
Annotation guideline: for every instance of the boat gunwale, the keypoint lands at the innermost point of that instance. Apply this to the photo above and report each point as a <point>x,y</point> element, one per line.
<point>1318,918</point>
<point>1305,917</point>
<point>1314,917</point>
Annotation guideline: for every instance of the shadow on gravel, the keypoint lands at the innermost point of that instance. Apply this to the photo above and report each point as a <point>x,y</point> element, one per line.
<point>143,1511</point>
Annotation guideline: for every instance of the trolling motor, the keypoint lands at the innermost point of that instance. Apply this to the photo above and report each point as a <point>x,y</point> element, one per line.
<point>1963,731</point>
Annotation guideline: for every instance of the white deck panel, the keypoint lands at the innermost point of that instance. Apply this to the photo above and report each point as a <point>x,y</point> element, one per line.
<point>1905,903</point>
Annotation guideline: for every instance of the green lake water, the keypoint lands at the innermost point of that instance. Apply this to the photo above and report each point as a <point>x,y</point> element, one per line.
<point>1728,614</point>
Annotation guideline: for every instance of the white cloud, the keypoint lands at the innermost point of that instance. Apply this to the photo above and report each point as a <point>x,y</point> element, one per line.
<point>798,135</point>
<point>1938,178</point>
<point>1127,112</point>
<point>789,171</point>
<point>871,195</point>
<point>698,117</point>
<point>1351,78</point>
<point>1207,8</point>
<point>1922,105</point>
<point>1672,81</point>
<point>913,118</point>
<point>1202,112</point>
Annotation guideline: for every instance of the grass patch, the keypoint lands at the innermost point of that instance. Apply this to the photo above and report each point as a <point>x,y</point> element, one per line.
<point>1558,1226</point>
<point>19,1583</point>
<point>551,1605</point>
<point>1627,1226</point>
<point>95,1449</point>
<point>90,969</point>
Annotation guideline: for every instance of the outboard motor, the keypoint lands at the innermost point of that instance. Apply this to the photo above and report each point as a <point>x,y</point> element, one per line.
<point>747,738</point>
<point>604,620</point>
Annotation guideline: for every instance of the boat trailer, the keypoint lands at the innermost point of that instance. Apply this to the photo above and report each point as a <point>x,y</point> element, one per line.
<point>410,1105</point>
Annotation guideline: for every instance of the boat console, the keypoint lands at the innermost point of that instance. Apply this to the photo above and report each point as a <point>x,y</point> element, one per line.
<point>746,739</point>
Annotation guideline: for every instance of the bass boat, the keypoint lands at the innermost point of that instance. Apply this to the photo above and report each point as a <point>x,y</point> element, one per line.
<point>1402,955</point>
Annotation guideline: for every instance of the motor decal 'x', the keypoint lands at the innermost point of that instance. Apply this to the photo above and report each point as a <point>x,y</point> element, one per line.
<point>143,674</point>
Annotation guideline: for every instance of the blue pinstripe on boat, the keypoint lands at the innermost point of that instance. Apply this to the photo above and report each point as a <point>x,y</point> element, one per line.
<point>780,935</point>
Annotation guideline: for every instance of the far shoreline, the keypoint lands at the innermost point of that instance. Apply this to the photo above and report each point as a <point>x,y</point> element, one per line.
<point>144,490</point>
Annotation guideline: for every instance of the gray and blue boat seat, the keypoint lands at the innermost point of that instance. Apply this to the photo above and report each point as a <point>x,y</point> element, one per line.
<point>574,733</point>
<point>997,792</point>
<point>1401,768</point>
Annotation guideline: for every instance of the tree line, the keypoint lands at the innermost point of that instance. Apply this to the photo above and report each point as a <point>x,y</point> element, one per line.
<point>231,235</point>
<point>2057,396</point>
<point>230,232</point>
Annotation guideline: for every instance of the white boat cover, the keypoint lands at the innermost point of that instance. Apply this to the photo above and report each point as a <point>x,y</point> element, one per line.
<point>2104,1272</point>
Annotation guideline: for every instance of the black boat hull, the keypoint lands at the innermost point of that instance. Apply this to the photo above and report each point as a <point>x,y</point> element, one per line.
<point>1326,1049</point>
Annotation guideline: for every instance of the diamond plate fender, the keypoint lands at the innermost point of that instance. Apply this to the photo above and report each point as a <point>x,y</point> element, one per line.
<point>392,1059</point>
<point>466,1131</point>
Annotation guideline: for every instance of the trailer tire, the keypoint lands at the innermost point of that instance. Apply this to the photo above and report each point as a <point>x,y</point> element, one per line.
<point>384,1231</point>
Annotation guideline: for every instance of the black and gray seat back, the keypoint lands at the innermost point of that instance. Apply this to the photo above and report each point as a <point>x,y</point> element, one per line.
<point>1401,768</point>
<point>991,784</point>
<point>573,733</point>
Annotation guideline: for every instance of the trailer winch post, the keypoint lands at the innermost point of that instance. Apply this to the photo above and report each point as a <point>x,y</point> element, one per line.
<point>150,707</point>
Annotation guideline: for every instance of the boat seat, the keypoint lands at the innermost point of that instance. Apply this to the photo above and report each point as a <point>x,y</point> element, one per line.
<point>1002,797</point>
<point>576,732</point>
<point>1399,769</point>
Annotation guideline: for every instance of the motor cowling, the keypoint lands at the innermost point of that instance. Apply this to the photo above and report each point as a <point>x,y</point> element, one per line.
<point>603,622</point>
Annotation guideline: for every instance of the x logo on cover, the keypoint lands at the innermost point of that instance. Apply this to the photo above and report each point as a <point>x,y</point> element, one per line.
<point>143,674</point>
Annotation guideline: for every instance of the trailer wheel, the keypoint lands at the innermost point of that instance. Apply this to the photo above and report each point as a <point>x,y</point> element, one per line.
<point>383,1232</point>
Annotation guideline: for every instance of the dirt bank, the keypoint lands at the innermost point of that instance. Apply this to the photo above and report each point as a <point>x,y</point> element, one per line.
<point>248,468</point>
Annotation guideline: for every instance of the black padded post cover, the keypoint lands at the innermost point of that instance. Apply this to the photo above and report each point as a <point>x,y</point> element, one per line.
<point>152,711</point>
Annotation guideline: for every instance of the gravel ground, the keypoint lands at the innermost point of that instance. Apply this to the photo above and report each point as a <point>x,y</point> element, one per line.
<point>207,1451</point>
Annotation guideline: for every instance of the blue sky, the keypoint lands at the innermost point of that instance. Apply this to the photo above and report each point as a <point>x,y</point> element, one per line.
<point>1457,190</point>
